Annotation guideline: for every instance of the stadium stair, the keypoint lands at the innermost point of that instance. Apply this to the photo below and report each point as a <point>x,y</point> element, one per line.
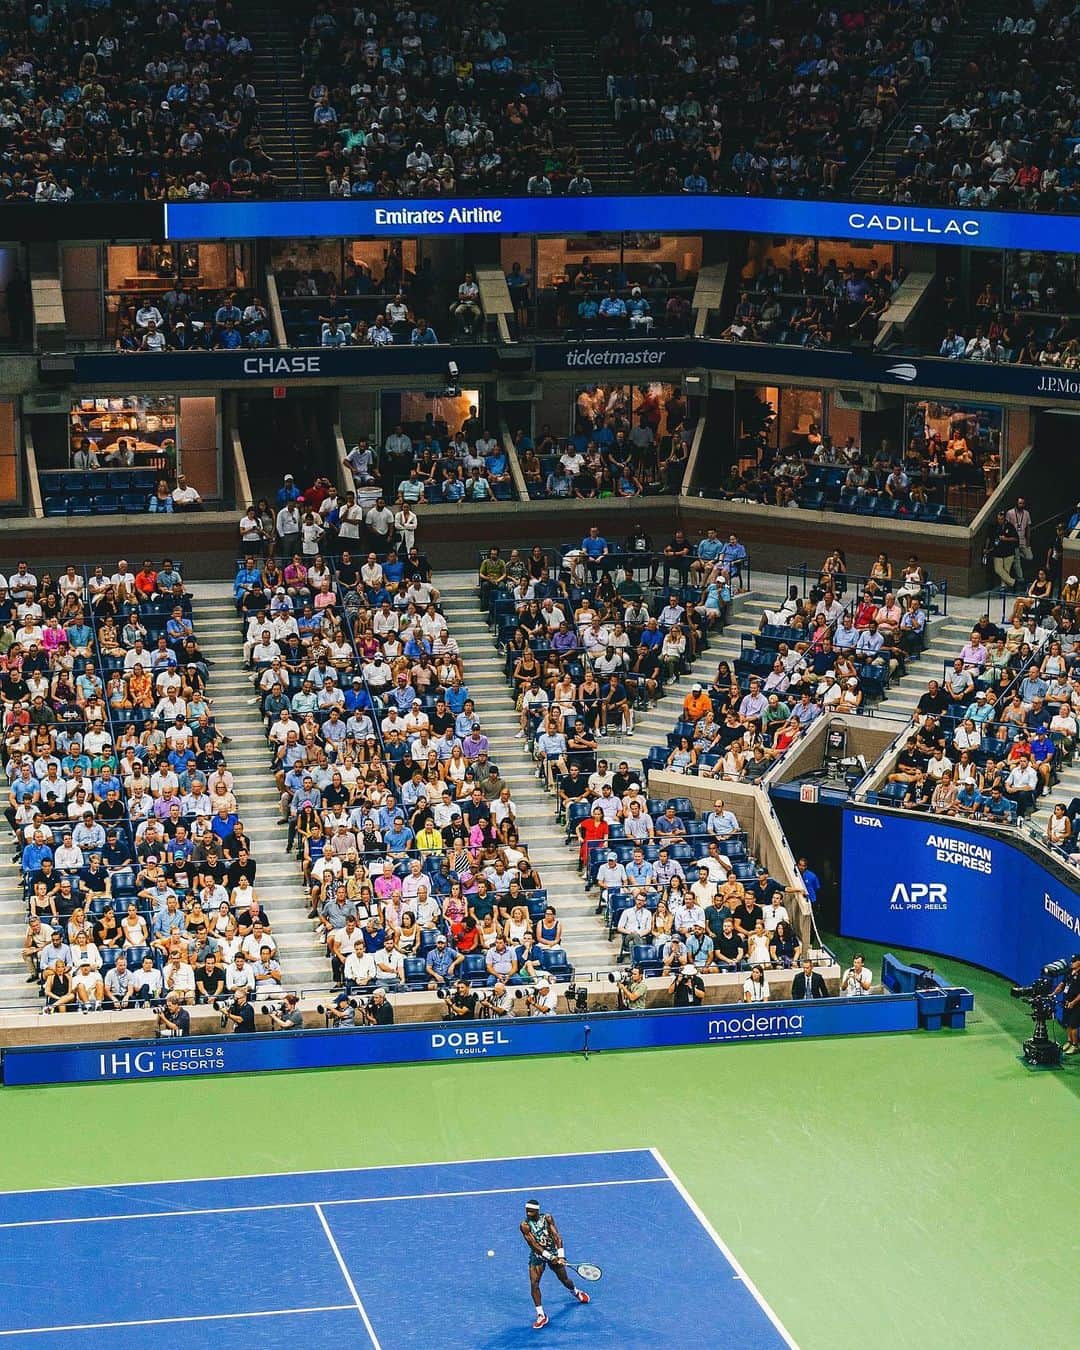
<point>601,149</point>
<point>284,110</point>
<point>585,934</point>
<point>236,712</point>
<point>15,993</point>
<point>876,175</point>
<point>945,639</point>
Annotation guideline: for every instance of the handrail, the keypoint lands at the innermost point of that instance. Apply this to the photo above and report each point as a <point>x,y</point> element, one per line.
<point>520,485</point>
<point>33,481</point>
<point>273,300</point>
<point>344,476</point>
<point>241,482</point>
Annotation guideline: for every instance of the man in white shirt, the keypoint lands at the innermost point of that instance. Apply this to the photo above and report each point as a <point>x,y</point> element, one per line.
<point>611,874</point>
<point>185,497</point>
<point>239,974</point>
<point>857,979</point>
<point>359,967</point>
<point>636,923</point>
<point>179,978</point>
<point>545,1001</point>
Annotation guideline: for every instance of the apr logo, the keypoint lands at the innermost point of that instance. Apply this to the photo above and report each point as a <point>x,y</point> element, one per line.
<point>904,370</point>
<point>920,895</point>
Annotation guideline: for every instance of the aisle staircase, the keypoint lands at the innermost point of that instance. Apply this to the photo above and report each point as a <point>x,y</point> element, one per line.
<point>236,711</point>
<point>585,935</point>
<point>877,174</point>
<point>601,148</point>
<point>15,993</point>
<point>284,110</point>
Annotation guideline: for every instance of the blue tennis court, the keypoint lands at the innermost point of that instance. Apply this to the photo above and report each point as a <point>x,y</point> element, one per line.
<point>384,1257</point>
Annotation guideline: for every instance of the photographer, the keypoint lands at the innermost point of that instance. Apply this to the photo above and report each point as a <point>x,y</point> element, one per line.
<point>632,990</point>
<point>344,1012</point>
<point>379,1011</point>
<point>499,1001</point>
<point>687,989</point>
<point>857,979</point>
<point>288,1017</point>
<point>172,1017</point>
<point>239,1012</point>
<point>461,1002</point>
<point>1069,987</point>
<point>544,1001</point>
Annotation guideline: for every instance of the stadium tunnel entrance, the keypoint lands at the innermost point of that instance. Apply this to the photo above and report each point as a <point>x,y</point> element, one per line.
<point>294,434</point>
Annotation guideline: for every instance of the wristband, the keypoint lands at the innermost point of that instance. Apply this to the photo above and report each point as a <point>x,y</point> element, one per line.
<point>561,1252</point>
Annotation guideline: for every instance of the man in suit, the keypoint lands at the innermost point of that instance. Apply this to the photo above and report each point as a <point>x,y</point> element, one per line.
<point>808,983</point>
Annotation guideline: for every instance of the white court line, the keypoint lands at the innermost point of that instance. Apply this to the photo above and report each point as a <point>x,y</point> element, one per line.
<point>348,1278</point>
<point>168,1321</point>
<point>698,1214</point>
<point>312,1204</point>
<point>318,1171</point>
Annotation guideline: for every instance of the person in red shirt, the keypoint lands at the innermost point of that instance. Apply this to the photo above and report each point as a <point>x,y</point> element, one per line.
<point>146,581</point>
<point>592,833</point>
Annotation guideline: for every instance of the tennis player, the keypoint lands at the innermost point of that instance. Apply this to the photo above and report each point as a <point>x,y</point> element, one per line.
<point>545,1249</point>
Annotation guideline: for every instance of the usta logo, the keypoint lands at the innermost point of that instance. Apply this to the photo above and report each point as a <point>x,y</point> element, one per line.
<point>872,821</point>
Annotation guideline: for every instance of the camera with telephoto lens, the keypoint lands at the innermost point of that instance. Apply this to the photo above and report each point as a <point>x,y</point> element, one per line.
<point>268,1008</point>
<point>622,980</point>
<point>224,1006</point>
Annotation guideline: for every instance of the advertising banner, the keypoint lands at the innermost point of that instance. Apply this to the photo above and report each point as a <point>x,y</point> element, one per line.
<point>439,1041</point>
<point>936,886</point>
<point>589,360</point>
<point>370,217</point>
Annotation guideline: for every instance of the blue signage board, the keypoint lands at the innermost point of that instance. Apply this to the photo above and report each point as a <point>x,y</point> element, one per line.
<point>280,367</point>
<point>199,1056</point>
<point>932,885</point>
<point>588,360</point>
<point>875,223</point>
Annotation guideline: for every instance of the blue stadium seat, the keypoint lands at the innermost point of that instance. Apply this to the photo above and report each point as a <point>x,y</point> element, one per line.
<point>557,966</point>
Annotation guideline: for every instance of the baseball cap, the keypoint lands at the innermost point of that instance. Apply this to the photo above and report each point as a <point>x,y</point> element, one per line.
<point>695,688</point>
<point>613,857</point>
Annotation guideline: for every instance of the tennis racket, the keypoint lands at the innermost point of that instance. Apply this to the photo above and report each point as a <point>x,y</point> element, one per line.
<point>586,1270</point>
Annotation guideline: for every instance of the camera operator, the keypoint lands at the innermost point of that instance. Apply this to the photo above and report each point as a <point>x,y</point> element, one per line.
<point>379,1011</point>
<point>632,990</point>
<point>344,1012</point>
<point>1070,988</point>
<point>288,1017</point>
<point>172,1017</point>
<point>544,1001</point>
<point>461,1003</point>
<point>240,1012</point>
<point>499,1001</point>
<point>687,989</point>
<point>857,979</point>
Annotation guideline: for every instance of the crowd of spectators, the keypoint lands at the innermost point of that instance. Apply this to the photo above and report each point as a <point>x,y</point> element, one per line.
<point>1033,323</point>
<point>584,647</point>
<point>585,643</point>
<point>1009,138</point>
<point>817,306</point>
<point>814,473</point>
<point>402,824</point>
<point>435,100</point>
<point>826,651</point>
<point>125,101</point>
<point>616,450</point>
<point>179,319</point>
<point>137,870</point>
<point>989,737</point>
<point>784,103</point>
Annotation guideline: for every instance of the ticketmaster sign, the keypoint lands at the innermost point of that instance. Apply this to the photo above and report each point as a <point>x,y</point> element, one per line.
<point>201,1056</point>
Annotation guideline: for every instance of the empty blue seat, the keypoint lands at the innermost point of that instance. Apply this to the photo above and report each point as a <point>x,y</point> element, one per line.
<point>474,968</point>
<point>555,963</point>
<point>647,957</point>
<point>415,972</point>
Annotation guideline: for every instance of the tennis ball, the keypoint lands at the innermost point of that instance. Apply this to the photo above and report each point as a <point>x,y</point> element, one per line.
<point>490,1253</point>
